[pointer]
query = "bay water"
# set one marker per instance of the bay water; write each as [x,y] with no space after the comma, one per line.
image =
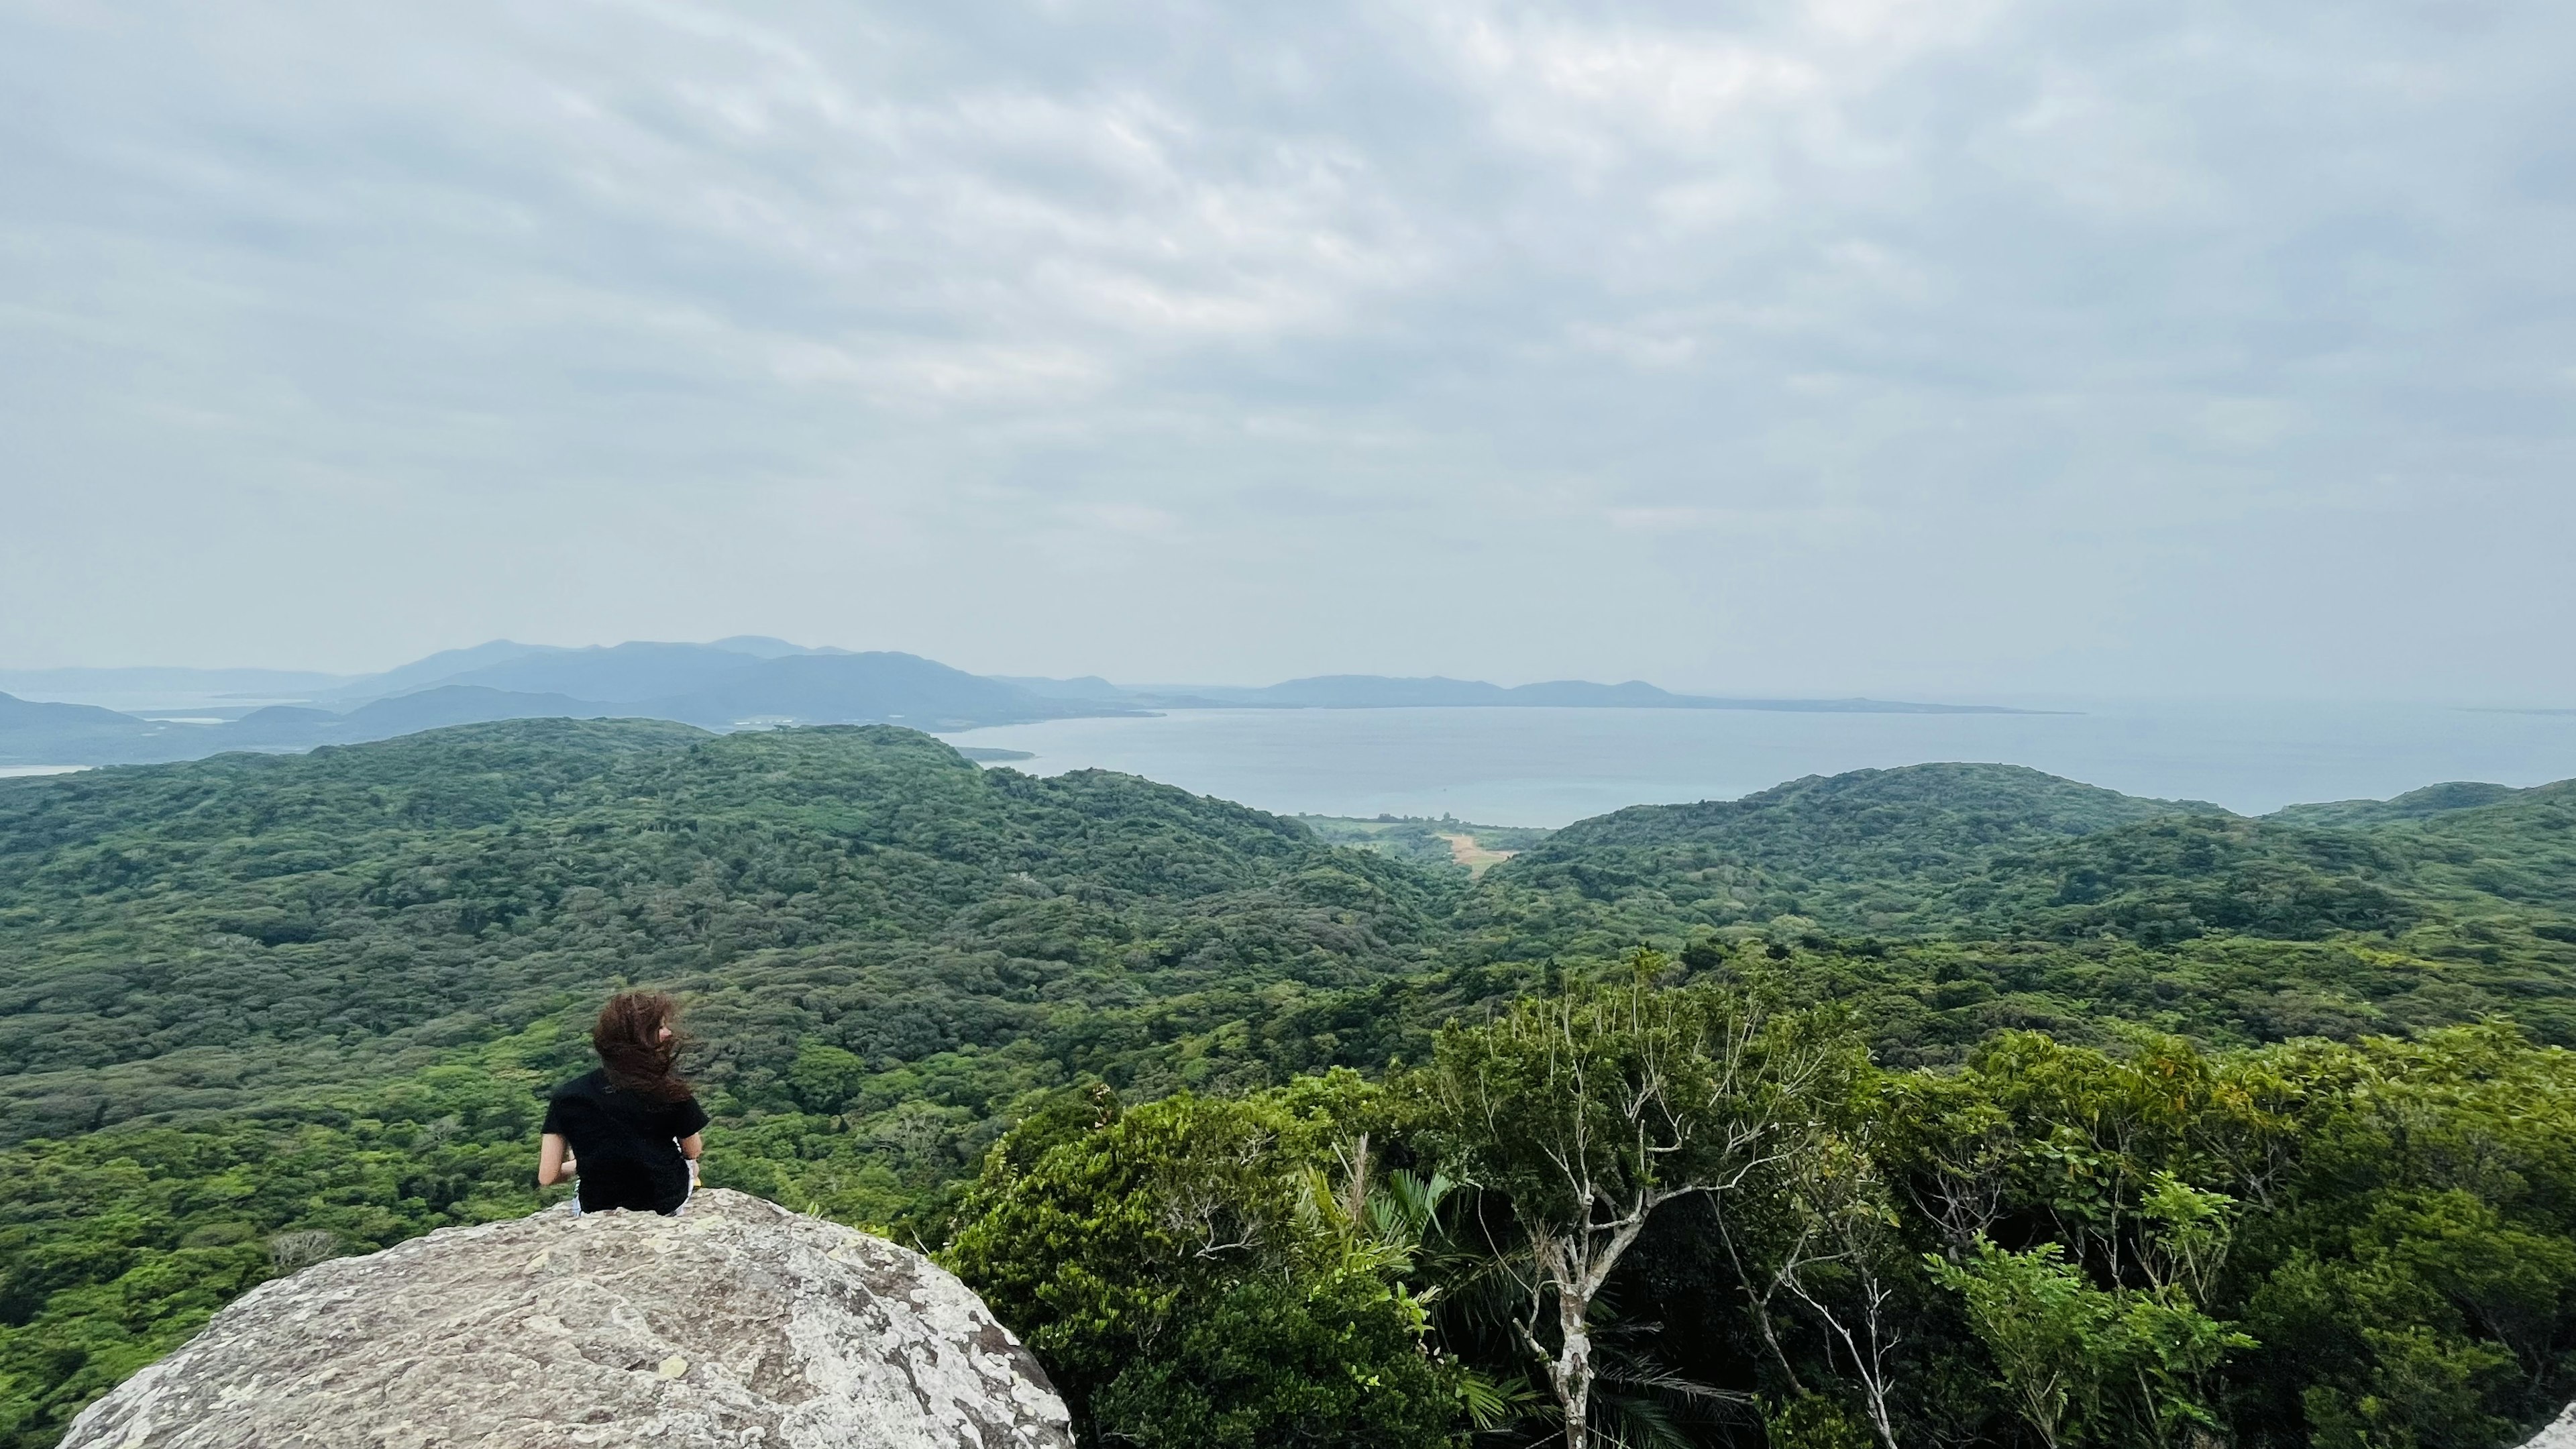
[1548,767]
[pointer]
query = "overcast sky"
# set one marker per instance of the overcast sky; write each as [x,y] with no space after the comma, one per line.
[1943,348]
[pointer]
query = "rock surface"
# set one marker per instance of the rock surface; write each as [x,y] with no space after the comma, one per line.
[736,1323]
[2559,1433]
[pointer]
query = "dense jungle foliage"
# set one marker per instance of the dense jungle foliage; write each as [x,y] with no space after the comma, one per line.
[2186,1110]
[2325,1243]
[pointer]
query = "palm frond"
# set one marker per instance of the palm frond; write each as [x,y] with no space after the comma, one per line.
[1495,1405]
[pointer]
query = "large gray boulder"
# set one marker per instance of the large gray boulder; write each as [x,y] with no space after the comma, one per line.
[2559,1433]
[735,1323]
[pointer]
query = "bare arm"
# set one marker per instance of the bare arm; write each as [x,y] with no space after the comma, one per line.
[554,1161]
[691,1146]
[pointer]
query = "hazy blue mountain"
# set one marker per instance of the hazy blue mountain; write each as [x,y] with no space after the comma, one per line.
[1089,686]
[862,689]
[20,713]
[1578,693]
[1092,689]
[454,704]
[1373,691]
[1854,705]
[628,672]
[280,726]
[34,732]
[623,673]
[2413,805]
[1369,691]
[761,646]
[122,739]
[445,664]
[745,678]
[696,683]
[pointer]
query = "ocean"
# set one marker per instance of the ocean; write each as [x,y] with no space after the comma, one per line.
[1548,767]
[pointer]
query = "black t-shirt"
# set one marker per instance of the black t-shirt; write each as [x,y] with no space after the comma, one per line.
[628,1147]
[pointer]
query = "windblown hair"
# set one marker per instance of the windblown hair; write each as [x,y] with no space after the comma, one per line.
[627,1038]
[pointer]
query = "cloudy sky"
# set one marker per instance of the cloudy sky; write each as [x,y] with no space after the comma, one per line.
[1934,347]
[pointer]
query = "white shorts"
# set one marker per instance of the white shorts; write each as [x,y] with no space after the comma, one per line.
[572,1205]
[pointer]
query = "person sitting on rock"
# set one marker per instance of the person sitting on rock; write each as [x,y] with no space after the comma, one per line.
[630,1129]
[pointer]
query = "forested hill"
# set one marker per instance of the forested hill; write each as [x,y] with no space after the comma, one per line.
[2413,805]
[212,936]
[206,936]
[1997,851]
[1869,850]
[260,1001]
[1951,901]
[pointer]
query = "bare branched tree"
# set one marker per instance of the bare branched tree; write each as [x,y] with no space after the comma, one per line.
[1587,1112]
[289,1252]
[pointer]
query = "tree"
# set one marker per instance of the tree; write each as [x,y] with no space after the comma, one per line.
[2083,1363]
[1842,1262]
[1188,1274]
[1587,1112]
[2046,1327]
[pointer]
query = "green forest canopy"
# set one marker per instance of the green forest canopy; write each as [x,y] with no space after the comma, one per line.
[259,1007]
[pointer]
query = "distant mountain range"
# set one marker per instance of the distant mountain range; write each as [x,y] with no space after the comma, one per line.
[1372,691]
[730,685]
[746,681]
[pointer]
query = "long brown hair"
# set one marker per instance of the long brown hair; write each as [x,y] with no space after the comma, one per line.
[628,1040]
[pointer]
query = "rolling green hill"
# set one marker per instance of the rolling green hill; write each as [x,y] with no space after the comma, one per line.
[1872,851]
[2413,805]
[207,938]
[196,938]
[1946,902]
[1996,851]
[325,993]
[328,990]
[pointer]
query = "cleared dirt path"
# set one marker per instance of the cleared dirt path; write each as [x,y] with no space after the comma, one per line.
[1478,860]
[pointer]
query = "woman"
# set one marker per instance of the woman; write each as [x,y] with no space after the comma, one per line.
[629,1129]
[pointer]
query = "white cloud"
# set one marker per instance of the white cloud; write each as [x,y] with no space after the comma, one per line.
[612,306]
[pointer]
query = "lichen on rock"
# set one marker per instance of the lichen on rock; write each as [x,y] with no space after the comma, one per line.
[737,1323]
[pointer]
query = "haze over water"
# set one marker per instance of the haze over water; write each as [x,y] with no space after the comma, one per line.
[1553,766]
